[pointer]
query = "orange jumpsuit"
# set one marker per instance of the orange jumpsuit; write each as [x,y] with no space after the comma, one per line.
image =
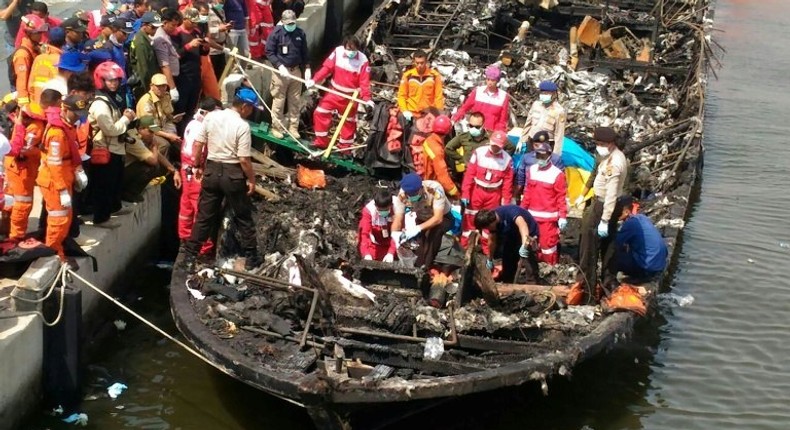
[21,167]
[44,68]
[57,174]
[23,62]
[436,165]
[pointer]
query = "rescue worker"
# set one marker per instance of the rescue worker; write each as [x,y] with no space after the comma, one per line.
[460,148]
[350,71]
[143,62]
[530,158]
[420,88]
[375,229]
[286,49]
[21,166]
[261,25]
[188,206]
[164,47]
[57,172]
[512,233]
[599,220]
[545,197]
[225,136]
[22,60]
[435,161]
[156,103]
[490,100]
[144,161]
[488,182]
[45,66]
[69,63]
[546,114]
[41,10]
[109,119]
[421,214]
[640,250]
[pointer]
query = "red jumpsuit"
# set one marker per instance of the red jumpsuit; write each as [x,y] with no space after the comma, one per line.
[21,167]
[190,188]
[55,175]
[545,194]
[494,107]
[374,233]
[488,184]
[348,74]
[261,25]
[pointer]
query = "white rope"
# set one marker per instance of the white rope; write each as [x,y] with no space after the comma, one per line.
[61,276]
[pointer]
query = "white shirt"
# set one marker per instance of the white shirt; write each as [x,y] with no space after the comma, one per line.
[227,135]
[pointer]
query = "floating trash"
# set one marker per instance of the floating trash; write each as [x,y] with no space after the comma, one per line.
[120,324]
[677,300]
[77,419]
[116,389]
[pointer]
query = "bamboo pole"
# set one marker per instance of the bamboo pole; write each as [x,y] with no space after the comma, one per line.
[339,126]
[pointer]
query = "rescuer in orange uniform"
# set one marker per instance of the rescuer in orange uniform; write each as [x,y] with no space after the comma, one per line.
[420,88]
[56,175]
[23,57]
[435,162]
[45,66]
[21,167]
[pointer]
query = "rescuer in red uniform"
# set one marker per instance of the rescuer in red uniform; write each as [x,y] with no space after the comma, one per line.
[375,229]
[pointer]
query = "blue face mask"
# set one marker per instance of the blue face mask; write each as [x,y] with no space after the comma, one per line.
[384,214]
[475,131]
[415,199]
[543,163]
[289,27]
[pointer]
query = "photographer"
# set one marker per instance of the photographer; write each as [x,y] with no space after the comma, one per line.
[109,119]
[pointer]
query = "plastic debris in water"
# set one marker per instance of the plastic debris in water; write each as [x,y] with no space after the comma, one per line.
[674,299]
[116,389]
[120,324]
[784,245]
[77,419]
[434,348]
[750,261]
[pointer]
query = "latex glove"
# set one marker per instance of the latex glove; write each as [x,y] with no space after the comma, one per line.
[389,258]
[464,202]
[523,252]
[407,115]
[578,202]
[412,233]
[370,104]
[603,228]
[81,179]
[562,223]
[308,75]
[283,71]
[65,199]
[519,145]
[490,264]
[368,257]
[396,237]
[309,83]
[174,95]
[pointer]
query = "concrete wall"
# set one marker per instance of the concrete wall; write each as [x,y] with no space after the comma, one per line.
[21,339]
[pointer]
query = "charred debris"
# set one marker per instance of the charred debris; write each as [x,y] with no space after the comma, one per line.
[314,309]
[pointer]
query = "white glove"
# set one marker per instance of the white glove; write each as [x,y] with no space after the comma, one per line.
[396,237]
[81,180]
[370,104]
[308,75]
[368,257]
[8,201]
[412,233]
[284,71]
[579,200]
[174,95]
[65,199]
[562,223]
[407,115]
[603,228]
[389,258]
[309,83]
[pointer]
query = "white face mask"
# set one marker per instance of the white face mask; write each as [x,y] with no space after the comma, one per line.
[545,98]
[603,151]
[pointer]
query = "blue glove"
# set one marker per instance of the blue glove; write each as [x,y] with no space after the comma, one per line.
[523,251]
[490,264]
[465,202]
[603,228]
[411,233]
[562,223]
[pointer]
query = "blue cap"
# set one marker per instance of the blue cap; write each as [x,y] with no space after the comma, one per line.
[247,95]
[548,86]
[411,183]
[72,61]
[57,36]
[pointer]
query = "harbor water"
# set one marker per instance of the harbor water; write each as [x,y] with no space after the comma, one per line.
[715,357]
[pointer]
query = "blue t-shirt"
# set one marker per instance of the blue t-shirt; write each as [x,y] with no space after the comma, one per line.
[236,11]
[507,220]
[645,243]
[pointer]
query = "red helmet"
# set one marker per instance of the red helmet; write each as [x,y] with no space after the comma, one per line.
[33,24]
[442,124]
[498,138]
[104,71]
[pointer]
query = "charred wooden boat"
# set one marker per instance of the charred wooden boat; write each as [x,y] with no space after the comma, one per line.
[304,333]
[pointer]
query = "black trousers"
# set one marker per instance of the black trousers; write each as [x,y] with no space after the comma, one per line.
[136,177]
[510,258]
[591,246]
[431,242]
[189,86]
[106,180]
[223,181]
[218,62]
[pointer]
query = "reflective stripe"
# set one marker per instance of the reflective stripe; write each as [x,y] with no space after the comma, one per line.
[347,140]
[542,214]
[54,161]
[322,110]
[470,212]
[551,250]
[491,185]
[497,99]
[62,212]
[342,88]
[322,133]
[23,199]
[184,217]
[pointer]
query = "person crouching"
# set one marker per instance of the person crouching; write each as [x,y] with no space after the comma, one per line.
[375,229]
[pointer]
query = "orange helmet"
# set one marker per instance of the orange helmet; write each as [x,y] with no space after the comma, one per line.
[442,124]
[33,24]
[104,71]
[498,138]
[34,111]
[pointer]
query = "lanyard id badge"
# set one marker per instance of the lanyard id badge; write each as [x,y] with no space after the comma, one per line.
[285,49]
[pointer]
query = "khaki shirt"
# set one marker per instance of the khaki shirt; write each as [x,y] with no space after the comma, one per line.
[433,194]
[136,151]
[609,179]
[549,118]
[227,135]
[161,108]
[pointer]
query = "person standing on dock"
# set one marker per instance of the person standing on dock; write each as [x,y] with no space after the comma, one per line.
[227,174]
[350,72]
[420,88]
[600,221]
[546,114]
[512,233]
[286,48]
[489,100]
